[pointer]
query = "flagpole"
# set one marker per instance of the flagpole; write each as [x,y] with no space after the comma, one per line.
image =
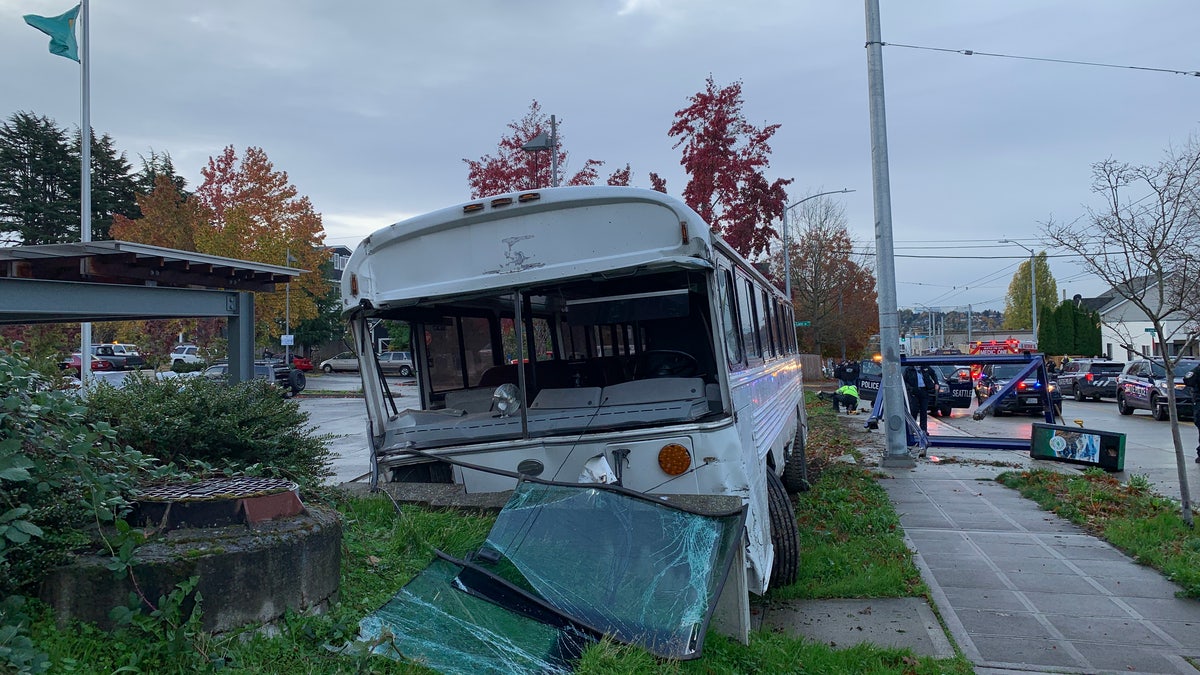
[85,182]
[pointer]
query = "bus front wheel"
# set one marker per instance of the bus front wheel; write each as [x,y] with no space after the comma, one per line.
[785,538]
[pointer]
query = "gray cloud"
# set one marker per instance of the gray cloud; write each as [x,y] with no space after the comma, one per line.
[370,107]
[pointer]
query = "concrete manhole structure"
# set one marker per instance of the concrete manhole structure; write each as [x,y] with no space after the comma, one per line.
[257,550]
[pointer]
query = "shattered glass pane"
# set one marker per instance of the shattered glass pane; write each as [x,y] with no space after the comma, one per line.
[431,621]
[625,565]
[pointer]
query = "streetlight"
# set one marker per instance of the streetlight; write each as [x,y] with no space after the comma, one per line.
[1032,284]
[787,259]
[544,142]
[932,326]
[287,312]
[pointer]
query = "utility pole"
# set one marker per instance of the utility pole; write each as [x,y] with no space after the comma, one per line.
[891,387]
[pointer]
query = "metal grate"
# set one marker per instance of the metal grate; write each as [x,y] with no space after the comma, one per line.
[216,489]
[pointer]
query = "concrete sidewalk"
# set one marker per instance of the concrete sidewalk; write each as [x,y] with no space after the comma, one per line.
[1021,589]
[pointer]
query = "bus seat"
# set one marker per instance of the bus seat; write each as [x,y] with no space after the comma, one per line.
[470,400]
[498,375]
[572,397]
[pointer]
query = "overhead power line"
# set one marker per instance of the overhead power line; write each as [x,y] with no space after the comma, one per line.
[972,52]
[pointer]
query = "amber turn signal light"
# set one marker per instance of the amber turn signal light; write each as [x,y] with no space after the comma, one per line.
[674,459]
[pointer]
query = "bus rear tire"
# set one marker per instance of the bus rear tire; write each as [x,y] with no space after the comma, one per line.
[785,537]
[795,467]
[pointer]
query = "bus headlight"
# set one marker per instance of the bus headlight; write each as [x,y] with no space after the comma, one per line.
[674,459]
[506,400]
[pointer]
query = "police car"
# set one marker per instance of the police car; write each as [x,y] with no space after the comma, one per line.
[870,374]
[955,388]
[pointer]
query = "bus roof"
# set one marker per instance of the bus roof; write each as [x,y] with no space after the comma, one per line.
[523,239]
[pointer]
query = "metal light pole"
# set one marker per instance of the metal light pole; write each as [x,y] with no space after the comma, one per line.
[287,311]
[787,265]
[544,142]
[1032,284]
[932,326]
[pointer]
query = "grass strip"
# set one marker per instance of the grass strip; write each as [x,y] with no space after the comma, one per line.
[1146,526]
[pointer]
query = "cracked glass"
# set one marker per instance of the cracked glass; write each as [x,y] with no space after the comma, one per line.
[563,565]
[433,622]
[630,566]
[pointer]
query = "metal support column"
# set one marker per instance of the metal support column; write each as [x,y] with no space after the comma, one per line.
[241,338]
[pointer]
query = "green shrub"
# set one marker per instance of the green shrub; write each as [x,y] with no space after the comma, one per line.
[247,427]
[59,474]
[181,367]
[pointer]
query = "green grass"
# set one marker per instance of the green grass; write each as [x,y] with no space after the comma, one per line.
[851,542]
[1130,516]
[851,547]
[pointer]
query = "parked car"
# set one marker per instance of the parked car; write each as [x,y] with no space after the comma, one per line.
[400,363]
[1089,378]
[121,358]
[302,363]
[118,378]
[186,354]
[1026,398]
[955,387]
[1142,385]
[870,374]
[291,381]
[343,361]
[73,363]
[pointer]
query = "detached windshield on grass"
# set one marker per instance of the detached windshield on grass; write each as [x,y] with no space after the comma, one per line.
[562,565]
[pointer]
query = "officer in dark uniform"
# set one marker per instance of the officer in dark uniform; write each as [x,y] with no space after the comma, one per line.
[921,384]
[847,373]
[1192,381]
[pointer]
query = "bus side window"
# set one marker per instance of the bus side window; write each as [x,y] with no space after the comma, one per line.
[729,320]
[765,329]
[780,328]
[749,316]
[789,318]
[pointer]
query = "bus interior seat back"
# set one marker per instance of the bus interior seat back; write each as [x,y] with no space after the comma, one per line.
[571,397]
[471,400]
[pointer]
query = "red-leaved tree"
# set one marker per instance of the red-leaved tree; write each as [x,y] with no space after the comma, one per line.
[512,168]
[724,156]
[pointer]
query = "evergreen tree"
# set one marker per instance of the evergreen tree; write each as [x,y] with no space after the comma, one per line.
[1088,336]
[39,182]
[113,186]
[1066,316]
[1048,337]
[158,164]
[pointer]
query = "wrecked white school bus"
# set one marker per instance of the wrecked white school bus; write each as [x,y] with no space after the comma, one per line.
[586,334]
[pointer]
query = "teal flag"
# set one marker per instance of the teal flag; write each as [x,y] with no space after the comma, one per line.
[61,30]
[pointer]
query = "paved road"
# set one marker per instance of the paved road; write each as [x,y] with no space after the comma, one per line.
[1149,448]
[345,419]
[1148,445]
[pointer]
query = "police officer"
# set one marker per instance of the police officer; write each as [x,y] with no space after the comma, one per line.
[846,395]
[921,384]
[1192,381]
[847,372]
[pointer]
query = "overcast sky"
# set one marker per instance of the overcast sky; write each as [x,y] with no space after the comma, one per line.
[372,106]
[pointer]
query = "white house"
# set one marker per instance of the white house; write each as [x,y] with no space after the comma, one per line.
[1126,331]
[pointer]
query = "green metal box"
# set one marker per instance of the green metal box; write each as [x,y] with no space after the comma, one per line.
[1076,445]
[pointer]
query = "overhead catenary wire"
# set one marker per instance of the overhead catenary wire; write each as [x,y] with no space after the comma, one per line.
[1074,62]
